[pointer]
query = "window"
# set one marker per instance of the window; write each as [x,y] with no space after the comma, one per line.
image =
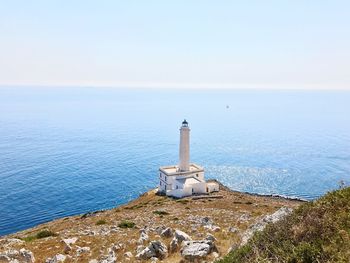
[160,183]
[177,187]
[197,175]
[166,178]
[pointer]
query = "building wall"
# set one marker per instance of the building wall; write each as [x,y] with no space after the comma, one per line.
[212,187]
[199,188]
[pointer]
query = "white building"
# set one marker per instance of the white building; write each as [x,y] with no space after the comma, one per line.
[186,178]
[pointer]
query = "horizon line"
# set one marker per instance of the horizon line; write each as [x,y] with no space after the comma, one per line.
[196,86]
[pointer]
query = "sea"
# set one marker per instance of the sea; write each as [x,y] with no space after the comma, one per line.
[70,150]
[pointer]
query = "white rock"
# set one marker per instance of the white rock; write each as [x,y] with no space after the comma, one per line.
[262,223]
[128,254]
[210,237]
[179,237]
[232,229]
[167,232]
[155,249]
[27,255]
[194,250]
[82,250]
[56,259]
[13,256]
[143,237]
[70,241]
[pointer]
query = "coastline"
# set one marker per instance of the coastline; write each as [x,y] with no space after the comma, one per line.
[227,218]
[222,187]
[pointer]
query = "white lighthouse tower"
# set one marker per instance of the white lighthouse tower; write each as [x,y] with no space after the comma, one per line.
[186,178]
[184,153]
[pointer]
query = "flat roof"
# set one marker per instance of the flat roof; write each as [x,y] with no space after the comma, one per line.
[174,169]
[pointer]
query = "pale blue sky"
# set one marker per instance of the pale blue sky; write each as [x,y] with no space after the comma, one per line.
[186,43]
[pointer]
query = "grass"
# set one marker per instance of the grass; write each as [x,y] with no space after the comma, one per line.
[126,224]
[101,222]
[182,201]
[318,231]
[160,212]
[39,235]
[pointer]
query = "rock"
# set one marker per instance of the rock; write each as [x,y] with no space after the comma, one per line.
[56,259]
[232,248]
[139,249]
[4,258]
[210,237]
[145,254]
[143,237]
[14,256]
[232,229]
[244,218]
[82,250]
[213,228]
[177,240]
[167,232]
[154,259]
[155,249]
[110,258]
[8,242]
[128,254]
[262,223]
[194,250]
[70,241]
[67,248]
[117,247]
[206,221]
[181,236]
[93,261]
[174,244]
[215,255]
[27,255]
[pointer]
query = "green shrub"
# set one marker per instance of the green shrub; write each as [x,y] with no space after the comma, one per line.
[160,212]
[126,224]
[45,233]
[317,231]
[101,222]
[39,235]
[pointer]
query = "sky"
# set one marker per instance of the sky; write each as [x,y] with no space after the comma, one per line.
[176,43]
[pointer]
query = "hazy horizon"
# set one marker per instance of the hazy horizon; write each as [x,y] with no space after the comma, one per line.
[195,44]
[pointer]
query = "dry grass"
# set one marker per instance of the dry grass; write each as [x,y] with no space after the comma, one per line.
[151,210]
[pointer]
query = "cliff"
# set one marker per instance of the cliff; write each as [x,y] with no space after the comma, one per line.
[150,228]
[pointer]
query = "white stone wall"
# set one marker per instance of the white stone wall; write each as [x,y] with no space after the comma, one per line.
[212,187]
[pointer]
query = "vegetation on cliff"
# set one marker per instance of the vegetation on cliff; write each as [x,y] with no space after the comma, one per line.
[318,231]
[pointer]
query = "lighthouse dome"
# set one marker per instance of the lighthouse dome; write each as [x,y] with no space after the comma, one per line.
[184,123]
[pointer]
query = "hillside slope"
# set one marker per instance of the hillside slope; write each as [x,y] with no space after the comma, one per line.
[318,231]
[148,228]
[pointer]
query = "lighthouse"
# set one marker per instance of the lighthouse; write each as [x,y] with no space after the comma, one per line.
[185,178]
[184,152]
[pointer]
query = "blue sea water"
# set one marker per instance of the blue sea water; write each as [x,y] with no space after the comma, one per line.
[65,151]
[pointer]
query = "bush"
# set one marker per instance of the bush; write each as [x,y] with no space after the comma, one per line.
[39,235]
[126,224]
[317,231]
[101,222]
[45,233]
[160,212]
